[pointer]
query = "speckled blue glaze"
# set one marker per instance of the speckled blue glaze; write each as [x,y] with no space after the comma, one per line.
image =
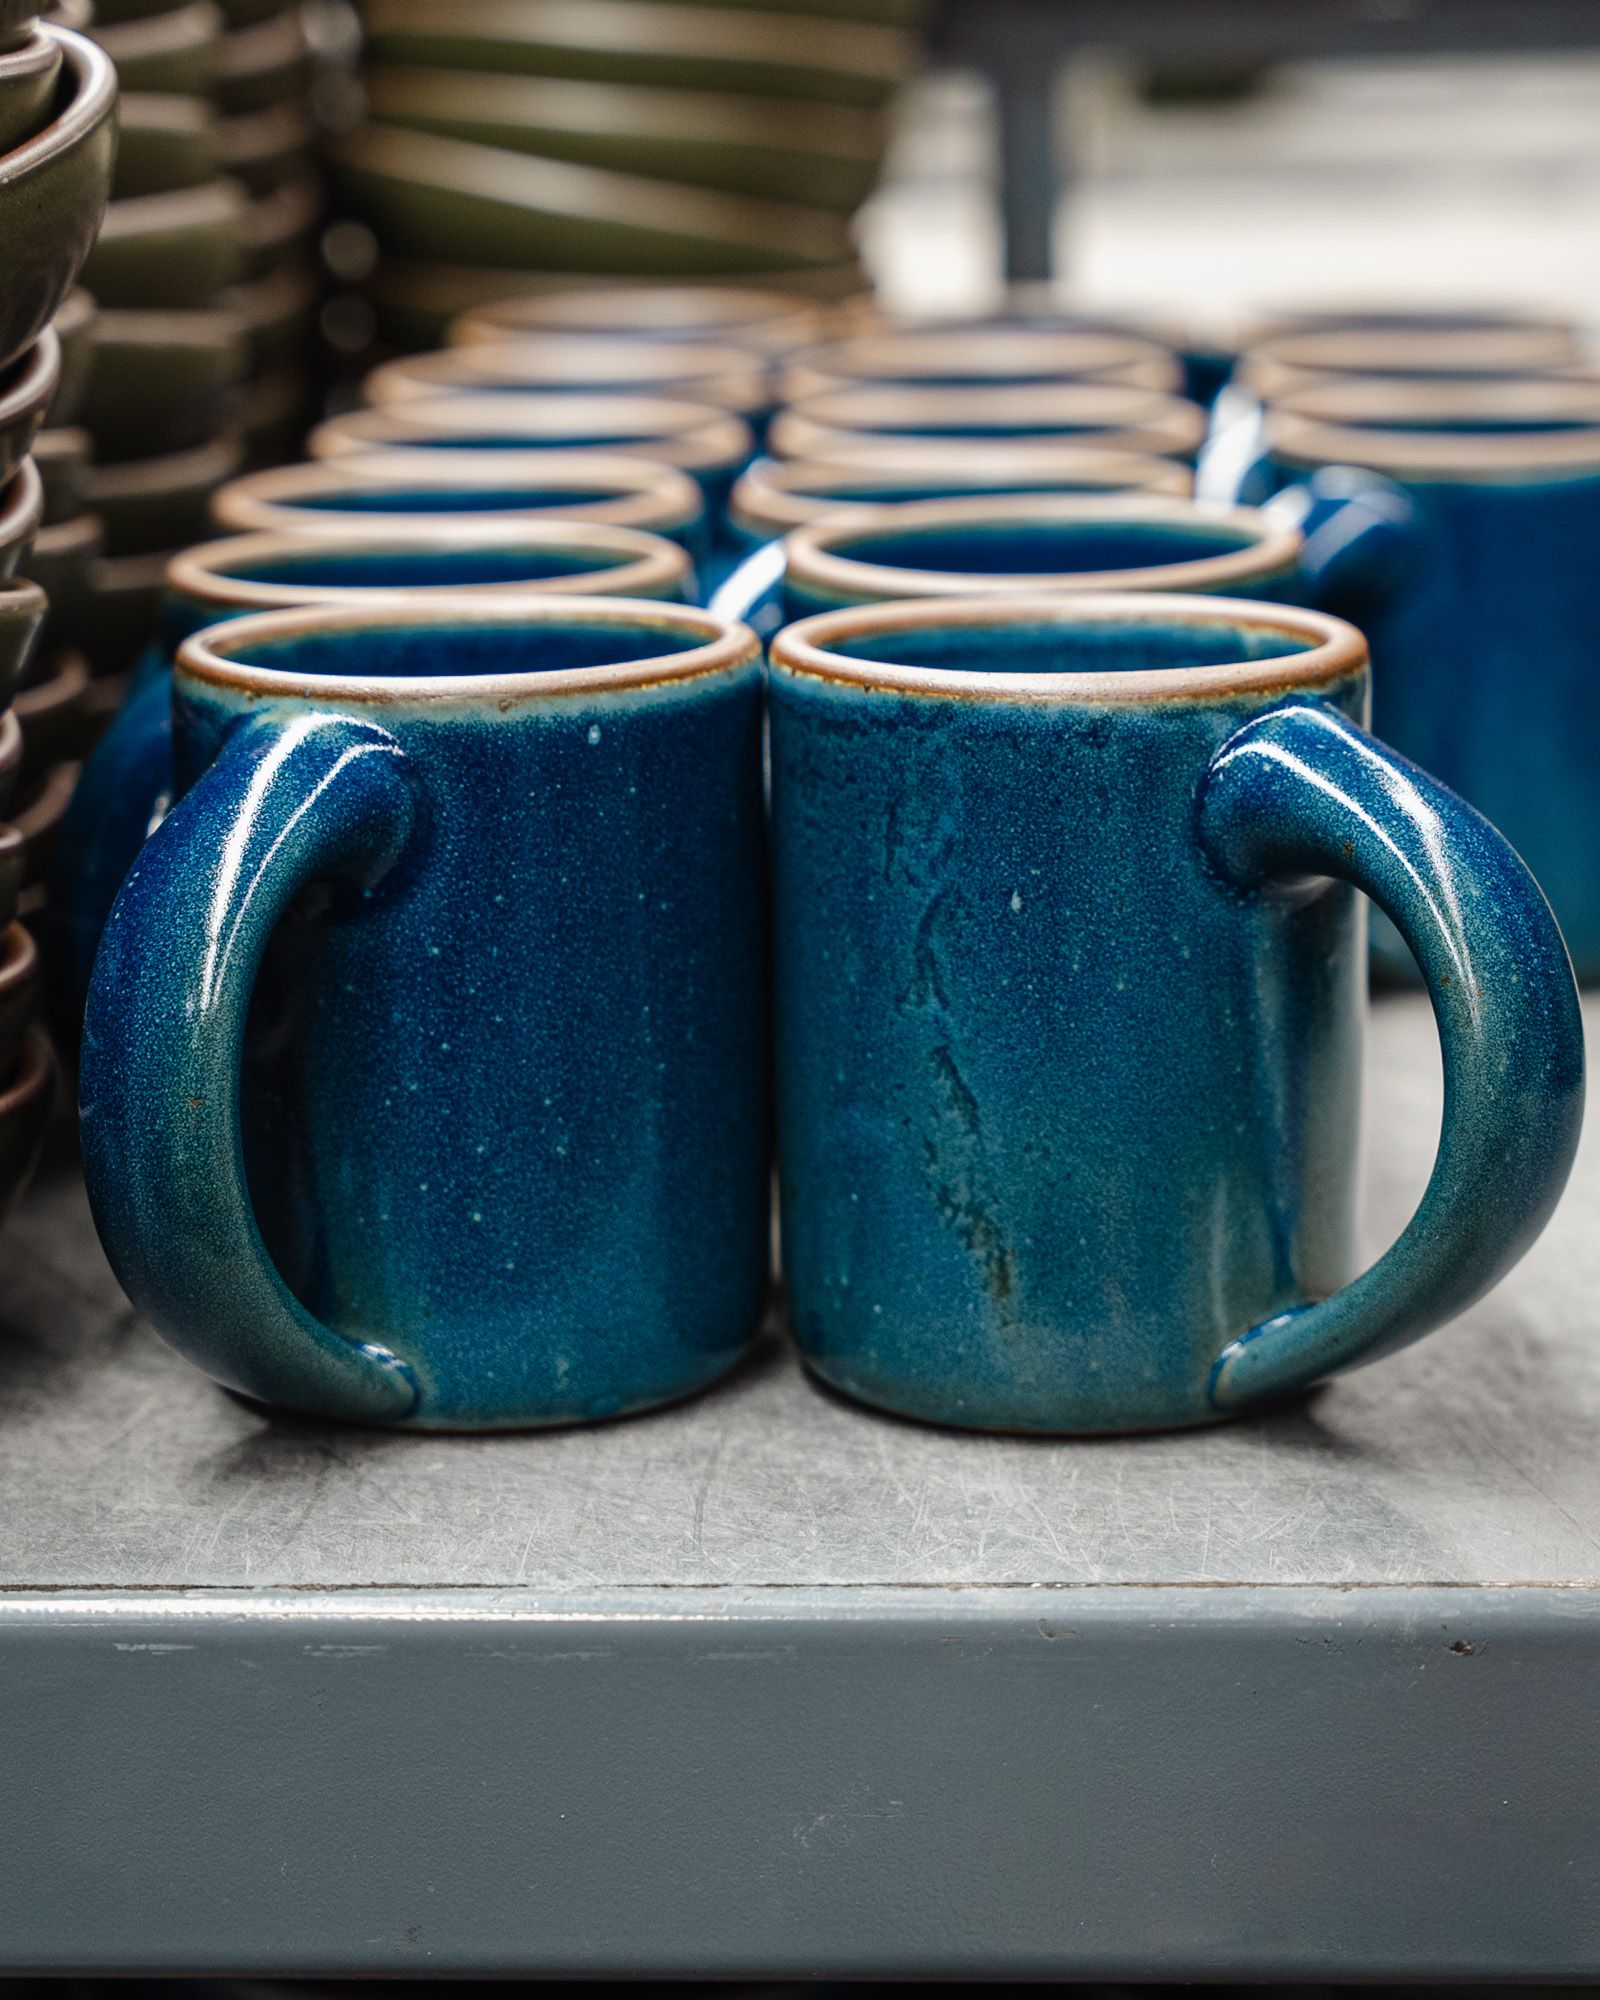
[1070,1010]
[424,1078]
[1486,667]
[127,780]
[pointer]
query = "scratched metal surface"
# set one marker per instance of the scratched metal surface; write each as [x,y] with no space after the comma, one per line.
[1471,1459]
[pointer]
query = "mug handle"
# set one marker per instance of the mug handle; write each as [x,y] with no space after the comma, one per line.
[752,592]
[1359,528]
[1302,793]
[285,802]
[125,790]
[1359,536]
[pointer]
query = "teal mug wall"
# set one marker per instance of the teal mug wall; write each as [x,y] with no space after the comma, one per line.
[1070,974]
[127,781]
[425,1071]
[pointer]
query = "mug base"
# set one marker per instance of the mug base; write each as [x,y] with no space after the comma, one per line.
[426,1425]
[922,1412]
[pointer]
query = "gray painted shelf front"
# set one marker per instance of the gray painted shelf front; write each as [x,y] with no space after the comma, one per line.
[769,1685]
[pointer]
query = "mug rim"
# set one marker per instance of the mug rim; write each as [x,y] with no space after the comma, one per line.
[690,433]
[633,492]
[984,355]
[1119,405]
[737,378]
[767,309]
[1310,426]
[650,561]
[768,492]
[960,342]
[206,656]
[1152,420]
[1272,546]
[1336,652]
[1470,352]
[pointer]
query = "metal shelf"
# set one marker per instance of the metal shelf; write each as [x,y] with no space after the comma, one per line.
[769,1685]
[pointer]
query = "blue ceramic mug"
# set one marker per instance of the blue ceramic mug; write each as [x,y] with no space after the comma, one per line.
[774,495]
[424,1077]
[1070,985]
[1485,628]
[331,498]
[713,446]
[995,545]
[126,784]
[1110,416]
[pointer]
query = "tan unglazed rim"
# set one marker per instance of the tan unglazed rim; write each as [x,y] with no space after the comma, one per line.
[647,564]
[94,92]
[1335,422]
[981,355]
[630,493]
[782,493]
[1336,650]
[1096,406]
[727,315]
[816,554]
[1100,415]
[727,377]
[210,658]
[693,436]
[1484,350]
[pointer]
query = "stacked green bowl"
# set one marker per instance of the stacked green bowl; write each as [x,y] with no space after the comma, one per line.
[205,274]
[57,132]
[509,142]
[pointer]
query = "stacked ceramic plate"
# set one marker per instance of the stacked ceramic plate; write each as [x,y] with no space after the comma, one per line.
[57,102]
[514,139]
[205,277]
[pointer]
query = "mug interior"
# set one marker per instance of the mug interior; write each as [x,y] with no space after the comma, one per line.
[1081,646]
[486,499]
[1475,423]
[314,568]
[459,650]
[1042,548]
[579,438]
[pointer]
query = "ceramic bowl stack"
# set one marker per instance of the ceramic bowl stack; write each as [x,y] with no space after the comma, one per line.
[205,276]
[57,104]
[509,142]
